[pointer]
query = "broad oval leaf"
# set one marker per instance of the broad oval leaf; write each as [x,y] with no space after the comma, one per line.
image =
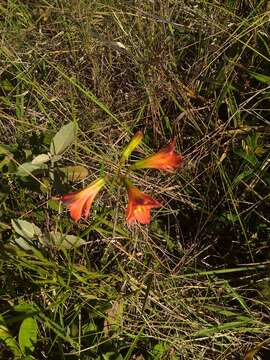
[41,159]
[74,173]
[63,139]
[27,168]
[28,335]
[63,240]
[22,243]
[26,229]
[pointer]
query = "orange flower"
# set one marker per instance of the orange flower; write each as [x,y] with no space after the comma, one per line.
[164,159]
[139,205]
[79,202]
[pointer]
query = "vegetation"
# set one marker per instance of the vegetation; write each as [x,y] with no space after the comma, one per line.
[194,284]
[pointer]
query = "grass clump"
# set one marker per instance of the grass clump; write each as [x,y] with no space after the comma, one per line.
[194,284]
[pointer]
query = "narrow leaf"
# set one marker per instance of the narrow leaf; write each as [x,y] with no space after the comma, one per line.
[260,77]
[248,157]
[24,307]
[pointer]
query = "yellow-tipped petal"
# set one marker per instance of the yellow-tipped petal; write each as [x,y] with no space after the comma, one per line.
[165,159]
[135,141]
[79,202]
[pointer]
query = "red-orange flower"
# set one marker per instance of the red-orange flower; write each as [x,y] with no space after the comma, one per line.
[164,159]
[139,206]
[80,202]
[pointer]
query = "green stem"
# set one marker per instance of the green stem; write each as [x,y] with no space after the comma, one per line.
[127,183]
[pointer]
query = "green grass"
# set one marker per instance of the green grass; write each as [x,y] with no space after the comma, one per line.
[194,284]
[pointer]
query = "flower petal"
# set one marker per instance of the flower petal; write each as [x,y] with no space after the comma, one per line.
[76,209]
[139,205]
[79,202]
[70,197]
[164,159]
[142,214]
[87,207]
[129,212]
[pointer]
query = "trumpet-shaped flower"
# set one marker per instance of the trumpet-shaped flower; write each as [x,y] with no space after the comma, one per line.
[165,159]
[139,206]
[80,202]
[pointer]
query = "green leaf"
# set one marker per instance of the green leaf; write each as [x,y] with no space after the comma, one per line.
[244,174]
[26,229]
[110,355]
[5,161]
[8,340]
[7,85]
[63,139]
[74,173]
[4,149]
[159,350]
[41,159]
[25,307]
[22,243]
[54,205]
[260,77]
[27,168]
[63,240]
[113,319]
[28,335]
[89,327]
[248,157]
